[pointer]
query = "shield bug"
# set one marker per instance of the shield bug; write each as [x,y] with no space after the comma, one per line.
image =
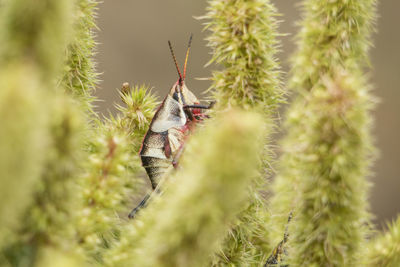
[173,121]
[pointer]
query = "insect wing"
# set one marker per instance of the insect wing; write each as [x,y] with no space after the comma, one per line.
[189,97]
[170,115]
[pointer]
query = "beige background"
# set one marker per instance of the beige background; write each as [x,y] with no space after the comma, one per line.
[133,47]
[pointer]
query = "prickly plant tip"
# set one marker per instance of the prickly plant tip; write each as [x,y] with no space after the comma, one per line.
[384,249]
[243,40]
[341,30]
[138,108]
[174,230]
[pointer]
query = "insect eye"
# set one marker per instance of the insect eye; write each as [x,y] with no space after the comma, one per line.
[176,96]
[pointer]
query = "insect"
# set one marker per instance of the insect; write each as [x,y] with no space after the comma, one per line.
[277,257]
[173,121]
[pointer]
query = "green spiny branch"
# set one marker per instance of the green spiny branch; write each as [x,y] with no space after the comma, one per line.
[327,150]
[137,112]
[243,39]
[79,77]
[21,137]
[34,34]
[111,172]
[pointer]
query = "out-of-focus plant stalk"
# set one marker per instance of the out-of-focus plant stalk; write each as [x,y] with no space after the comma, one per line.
[23,142]
[32,34]
[243,40]
[327,150]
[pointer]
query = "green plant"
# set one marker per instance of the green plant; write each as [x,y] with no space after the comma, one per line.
[327,150]
[37,147]
[243,40]
[110,173]
[67,176]
[384,249]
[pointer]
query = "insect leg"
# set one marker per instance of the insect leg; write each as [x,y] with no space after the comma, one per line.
[178,155]
[142,204]
[200,106]
[191,115]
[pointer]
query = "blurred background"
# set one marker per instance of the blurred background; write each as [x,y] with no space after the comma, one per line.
[133,48]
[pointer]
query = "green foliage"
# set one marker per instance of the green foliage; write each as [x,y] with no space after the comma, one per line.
[49,219]
[384,249]
[68,179]
[185,224]
[49,257]
[327,150]
[243,39]
[137,112]
[34,32]
[79,77]
[333,34]
[110,178]
[107,184]
[32,37]
[246,243]
[334,159]
[23,143]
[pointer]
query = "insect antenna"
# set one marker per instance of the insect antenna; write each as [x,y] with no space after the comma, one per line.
[187,56]
[176,63]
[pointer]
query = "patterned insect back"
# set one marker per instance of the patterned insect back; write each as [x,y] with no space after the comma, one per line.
[168,130]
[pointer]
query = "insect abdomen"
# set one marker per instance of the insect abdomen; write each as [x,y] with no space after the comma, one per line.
[155,168]
[155,155]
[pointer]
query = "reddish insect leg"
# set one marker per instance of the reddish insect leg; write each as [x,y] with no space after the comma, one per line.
[194,111]
[178,155]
